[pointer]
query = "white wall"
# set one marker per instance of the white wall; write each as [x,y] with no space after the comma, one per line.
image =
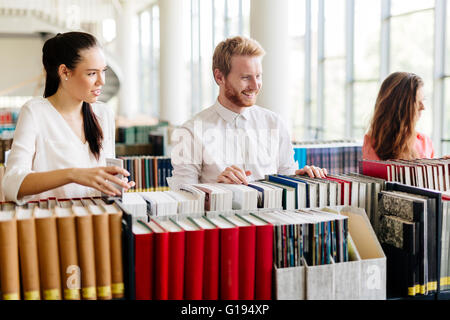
[20,62]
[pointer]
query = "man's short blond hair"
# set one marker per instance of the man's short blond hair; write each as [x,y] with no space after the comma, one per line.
[240,46]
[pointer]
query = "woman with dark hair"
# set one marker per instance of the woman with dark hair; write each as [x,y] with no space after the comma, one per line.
[392,133]
[62,140]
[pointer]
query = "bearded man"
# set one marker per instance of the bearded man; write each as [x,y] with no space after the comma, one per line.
[234,141]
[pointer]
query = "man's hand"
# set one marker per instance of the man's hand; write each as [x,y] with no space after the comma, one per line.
[312,171]
[234,175]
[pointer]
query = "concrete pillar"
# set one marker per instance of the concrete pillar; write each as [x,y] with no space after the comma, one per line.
[127,50]
[172,73]
[269,26]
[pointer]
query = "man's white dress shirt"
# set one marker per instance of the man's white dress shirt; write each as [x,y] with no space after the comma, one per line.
[44,141]
[216,138]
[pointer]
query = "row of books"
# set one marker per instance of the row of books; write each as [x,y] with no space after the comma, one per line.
[362,276]
[336,156]
[314,236]
[212,258]
[9,116]
[276,192]
[413,231]
[423,173]
[148,172]
[142,134]
[67,249]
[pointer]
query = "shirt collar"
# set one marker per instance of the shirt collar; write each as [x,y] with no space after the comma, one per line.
[228,115]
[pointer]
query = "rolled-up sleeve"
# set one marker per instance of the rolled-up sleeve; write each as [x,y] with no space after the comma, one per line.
[20,159]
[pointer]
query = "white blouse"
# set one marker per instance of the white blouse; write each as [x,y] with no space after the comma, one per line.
[44,141]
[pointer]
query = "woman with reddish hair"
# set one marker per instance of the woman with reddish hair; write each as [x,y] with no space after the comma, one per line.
[392,133]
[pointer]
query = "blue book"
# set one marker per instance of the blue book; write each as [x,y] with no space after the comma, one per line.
[306,202]
[261,191]
[290,183]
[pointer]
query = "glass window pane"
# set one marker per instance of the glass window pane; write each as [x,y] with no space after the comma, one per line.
[334,28]
[402,6]
[446,131]
[297,62]
[367,39]
[365,95]
[334,111]
[412,51]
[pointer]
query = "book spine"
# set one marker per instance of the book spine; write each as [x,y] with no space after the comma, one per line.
[47,236]
[193,276]
[115,239]
[143,246]
[67,240]
[264,262]
[29,262]
[176,265]
[229,267]
[102,253]
[9,260]
[85,243]
[211,265]
[247,238]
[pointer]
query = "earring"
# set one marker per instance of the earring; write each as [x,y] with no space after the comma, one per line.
[67,78]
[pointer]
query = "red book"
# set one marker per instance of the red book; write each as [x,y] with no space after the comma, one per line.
[247,237]
[377,169]
[176,258]
[210,259]
[161,261]
[346,193]
[143,261]
[229,259]
[193,270]
[263,257]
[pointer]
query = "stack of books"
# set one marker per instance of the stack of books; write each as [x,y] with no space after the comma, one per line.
[205,258]
[312,237]
[431,174]
[144,134]
[67,249]
[148,172]
[336,156]
[413,231]
[360,275]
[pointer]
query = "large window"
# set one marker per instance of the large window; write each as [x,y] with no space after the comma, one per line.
[340,51]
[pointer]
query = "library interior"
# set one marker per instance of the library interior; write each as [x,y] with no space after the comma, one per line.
[224,150]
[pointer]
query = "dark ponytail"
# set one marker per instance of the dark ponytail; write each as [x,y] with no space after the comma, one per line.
[65,49]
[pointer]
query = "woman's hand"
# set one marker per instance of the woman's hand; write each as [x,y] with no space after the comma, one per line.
[312,171]
[101,178]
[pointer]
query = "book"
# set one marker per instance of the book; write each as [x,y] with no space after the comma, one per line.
[144,264]
[29,261]
[263,257]
[161,261]
[49,266]
[229,259]
[247,250]
[9,257]
[210,260]
[176,258]
[102,251]
[115,240]
[397,237]
[67,244]
[86,252]
[194,257]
